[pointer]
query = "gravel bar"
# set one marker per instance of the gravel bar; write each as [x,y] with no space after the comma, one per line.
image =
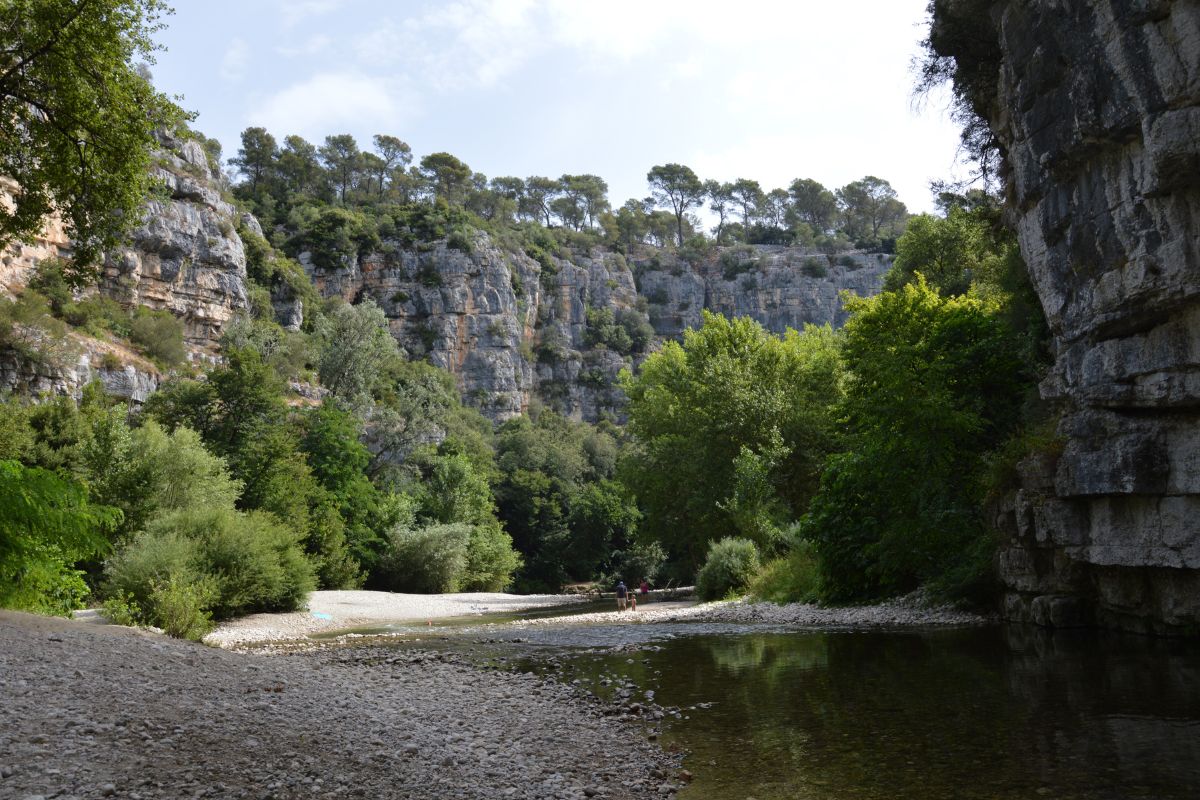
[910,610]
[336,610]
[102,711]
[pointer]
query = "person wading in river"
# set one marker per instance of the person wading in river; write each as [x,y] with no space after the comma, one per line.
[622,593]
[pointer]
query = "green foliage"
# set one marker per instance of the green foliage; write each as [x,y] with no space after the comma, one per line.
[28,329]
[181,608]
[79,120]
[737,260]
[46,525]
[426,560]
[491,560]
[793,578]
[815,267]
[934,383]
[732,428]
[730,566]
[354,347]
[252,562]
[160,335]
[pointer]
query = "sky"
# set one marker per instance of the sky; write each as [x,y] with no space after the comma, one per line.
[766,90]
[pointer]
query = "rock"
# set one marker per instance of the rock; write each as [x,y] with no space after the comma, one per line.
[1101,166]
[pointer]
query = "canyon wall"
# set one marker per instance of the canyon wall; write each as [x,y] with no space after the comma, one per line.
[514,330]
[184,257]
[1096,108]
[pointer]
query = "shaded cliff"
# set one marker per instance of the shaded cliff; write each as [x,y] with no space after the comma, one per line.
[1096,109]
[514,329]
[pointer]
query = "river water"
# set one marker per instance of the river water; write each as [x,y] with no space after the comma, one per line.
[980,712]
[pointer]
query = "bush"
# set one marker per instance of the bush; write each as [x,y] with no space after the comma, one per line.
[160,335]
[251,561]
[180,607]
[730,567]
[814,268]
[795,578]
[426,560]
[491,560]
[151,558]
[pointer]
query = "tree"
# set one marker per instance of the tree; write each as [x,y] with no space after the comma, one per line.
[933,384]
[749,197]
[446,176]
[393,154]
[677,186]
[46,525]
[341,157]
[631,224]
[78,120]
[720,202]
[813,204]
[355,347]
[257,156]
[588,195]
[871,209]
[298,165]
[713,415]
[948,252]
[539,194]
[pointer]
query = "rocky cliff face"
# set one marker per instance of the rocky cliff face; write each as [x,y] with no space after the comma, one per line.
[1097,108]
[186,256]
[515,330]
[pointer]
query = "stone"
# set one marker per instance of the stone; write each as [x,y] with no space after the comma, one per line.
[1101,162]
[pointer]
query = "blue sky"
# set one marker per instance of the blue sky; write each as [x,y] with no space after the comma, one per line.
[766,90]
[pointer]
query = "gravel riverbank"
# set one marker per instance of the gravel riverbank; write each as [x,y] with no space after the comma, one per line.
[337,610]
[905,611]
[102,711]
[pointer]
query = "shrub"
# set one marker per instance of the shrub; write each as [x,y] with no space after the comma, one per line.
[460,239]
[151,558]
[180,607]
[491,560]
[429,277]
[98,314]
[426,560]
[730,566]
[795,578]
[251,561]
[814,268]
[160,335]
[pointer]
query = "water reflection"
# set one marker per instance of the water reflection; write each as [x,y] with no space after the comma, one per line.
[970,713]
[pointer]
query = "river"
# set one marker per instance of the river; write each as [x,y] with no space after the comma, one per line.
[994,712]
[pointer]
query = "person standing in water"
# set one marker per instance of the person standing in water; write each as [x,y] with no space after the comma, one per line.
[622,594]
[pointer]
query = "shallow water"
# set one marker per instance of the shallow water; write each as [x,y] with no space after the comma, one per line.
[990,712]
[996,712]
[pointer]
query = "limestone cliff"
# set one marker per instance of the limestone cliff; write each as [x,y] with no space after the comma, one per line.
[185,256]
[515,330]
[1096,107]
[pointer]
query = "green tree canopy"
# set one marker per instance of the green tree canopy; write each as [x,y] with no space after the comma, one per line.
[677,186]
[933,384]
[78,119]
[715,417]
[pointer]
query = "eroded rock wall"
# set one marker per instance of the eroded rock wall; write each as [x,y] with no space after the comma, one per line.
[1096,106]
[515,331]
[186,256]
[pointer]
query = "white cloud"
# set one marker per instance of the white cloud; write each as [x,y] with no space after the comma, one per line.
[313,45]
[333,102]
[236,59]
[456,45]
[296,11]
